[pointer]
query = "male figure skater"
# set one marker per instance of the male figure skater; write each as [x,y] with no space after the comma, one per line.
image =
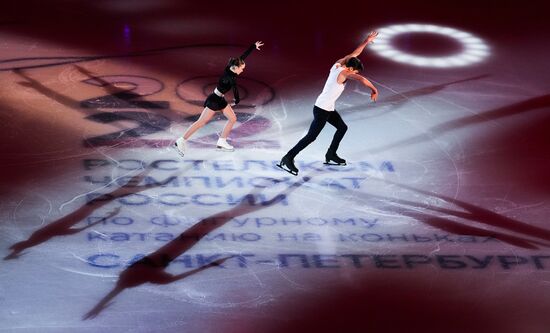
[324,111]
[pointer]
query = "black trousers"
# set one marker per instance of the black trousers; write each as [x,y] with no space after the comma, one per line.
[320,118]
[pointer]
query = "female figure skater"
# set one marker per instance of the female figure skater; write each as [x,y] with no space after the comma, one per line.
[345,68]
[216,102]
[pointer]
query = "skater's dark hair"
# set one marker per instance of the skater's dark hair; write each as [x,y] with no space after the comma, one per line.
[354,63]
[235,62]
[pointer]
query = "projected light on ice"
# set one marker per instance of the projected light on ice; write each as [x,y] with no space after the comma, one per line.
[473,48]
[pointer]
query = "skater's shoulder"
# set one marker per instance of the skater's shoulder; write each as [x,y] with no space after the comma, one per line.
[336,67]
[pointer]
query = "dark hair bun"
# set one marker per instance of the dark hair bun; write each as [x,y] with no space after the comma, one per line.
[235,62]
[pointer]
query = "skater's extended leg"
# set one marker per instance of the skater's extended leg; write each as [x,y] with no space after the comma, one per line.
[205,117]
[319,120]
[231,120]
[336,120]
[181,143]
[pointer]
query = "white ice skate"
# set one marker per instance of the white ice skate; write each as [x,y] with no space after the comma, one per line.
[181,146]
[223,145]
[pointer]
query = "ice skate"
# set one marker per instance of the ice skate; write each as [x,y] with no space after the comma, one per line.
[223,145]
[180,146]
[287,164]
[332,159]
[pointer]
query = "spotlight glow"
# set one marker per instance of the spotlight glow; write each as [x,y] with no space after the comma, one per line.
[474,49]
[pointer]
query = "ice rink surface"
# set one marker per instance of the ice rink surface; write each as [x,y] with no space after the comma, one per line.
[438,222]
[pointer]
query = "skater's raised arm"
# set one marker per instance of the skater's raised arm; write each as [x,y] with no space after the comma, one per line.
[251,48]
[238,67]
[364,81]
[370,38]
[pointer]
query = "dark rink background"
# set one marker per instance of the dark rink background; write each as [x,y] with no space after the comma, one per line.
[438,223]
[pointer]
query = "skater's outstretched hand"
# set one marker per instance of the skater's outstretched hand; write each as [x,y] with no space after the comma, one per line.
[359,49]
[371,37]
[258,44]
[374,95]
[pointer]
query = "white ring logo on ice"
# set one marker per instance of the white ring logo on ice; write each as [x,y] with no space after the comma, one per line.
[474,49]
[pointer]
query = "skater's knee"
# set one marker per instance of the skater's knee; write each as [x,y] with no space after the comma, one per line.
[343,128]
[232,119]
[310,138]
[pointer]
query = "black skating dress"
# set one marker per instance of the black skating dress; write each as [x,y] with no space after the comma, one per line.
[226,82]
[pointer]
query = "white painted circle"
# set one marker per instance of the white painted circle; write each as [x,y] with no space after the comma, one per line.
[474,49]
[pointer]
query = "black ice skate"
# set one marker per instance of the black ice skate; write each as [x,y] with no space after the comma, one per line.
[332,159]
[287,164]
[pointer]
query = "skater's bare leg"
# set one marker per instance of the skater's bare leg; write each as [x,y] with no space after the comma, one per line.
[231,120]
[205,117]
